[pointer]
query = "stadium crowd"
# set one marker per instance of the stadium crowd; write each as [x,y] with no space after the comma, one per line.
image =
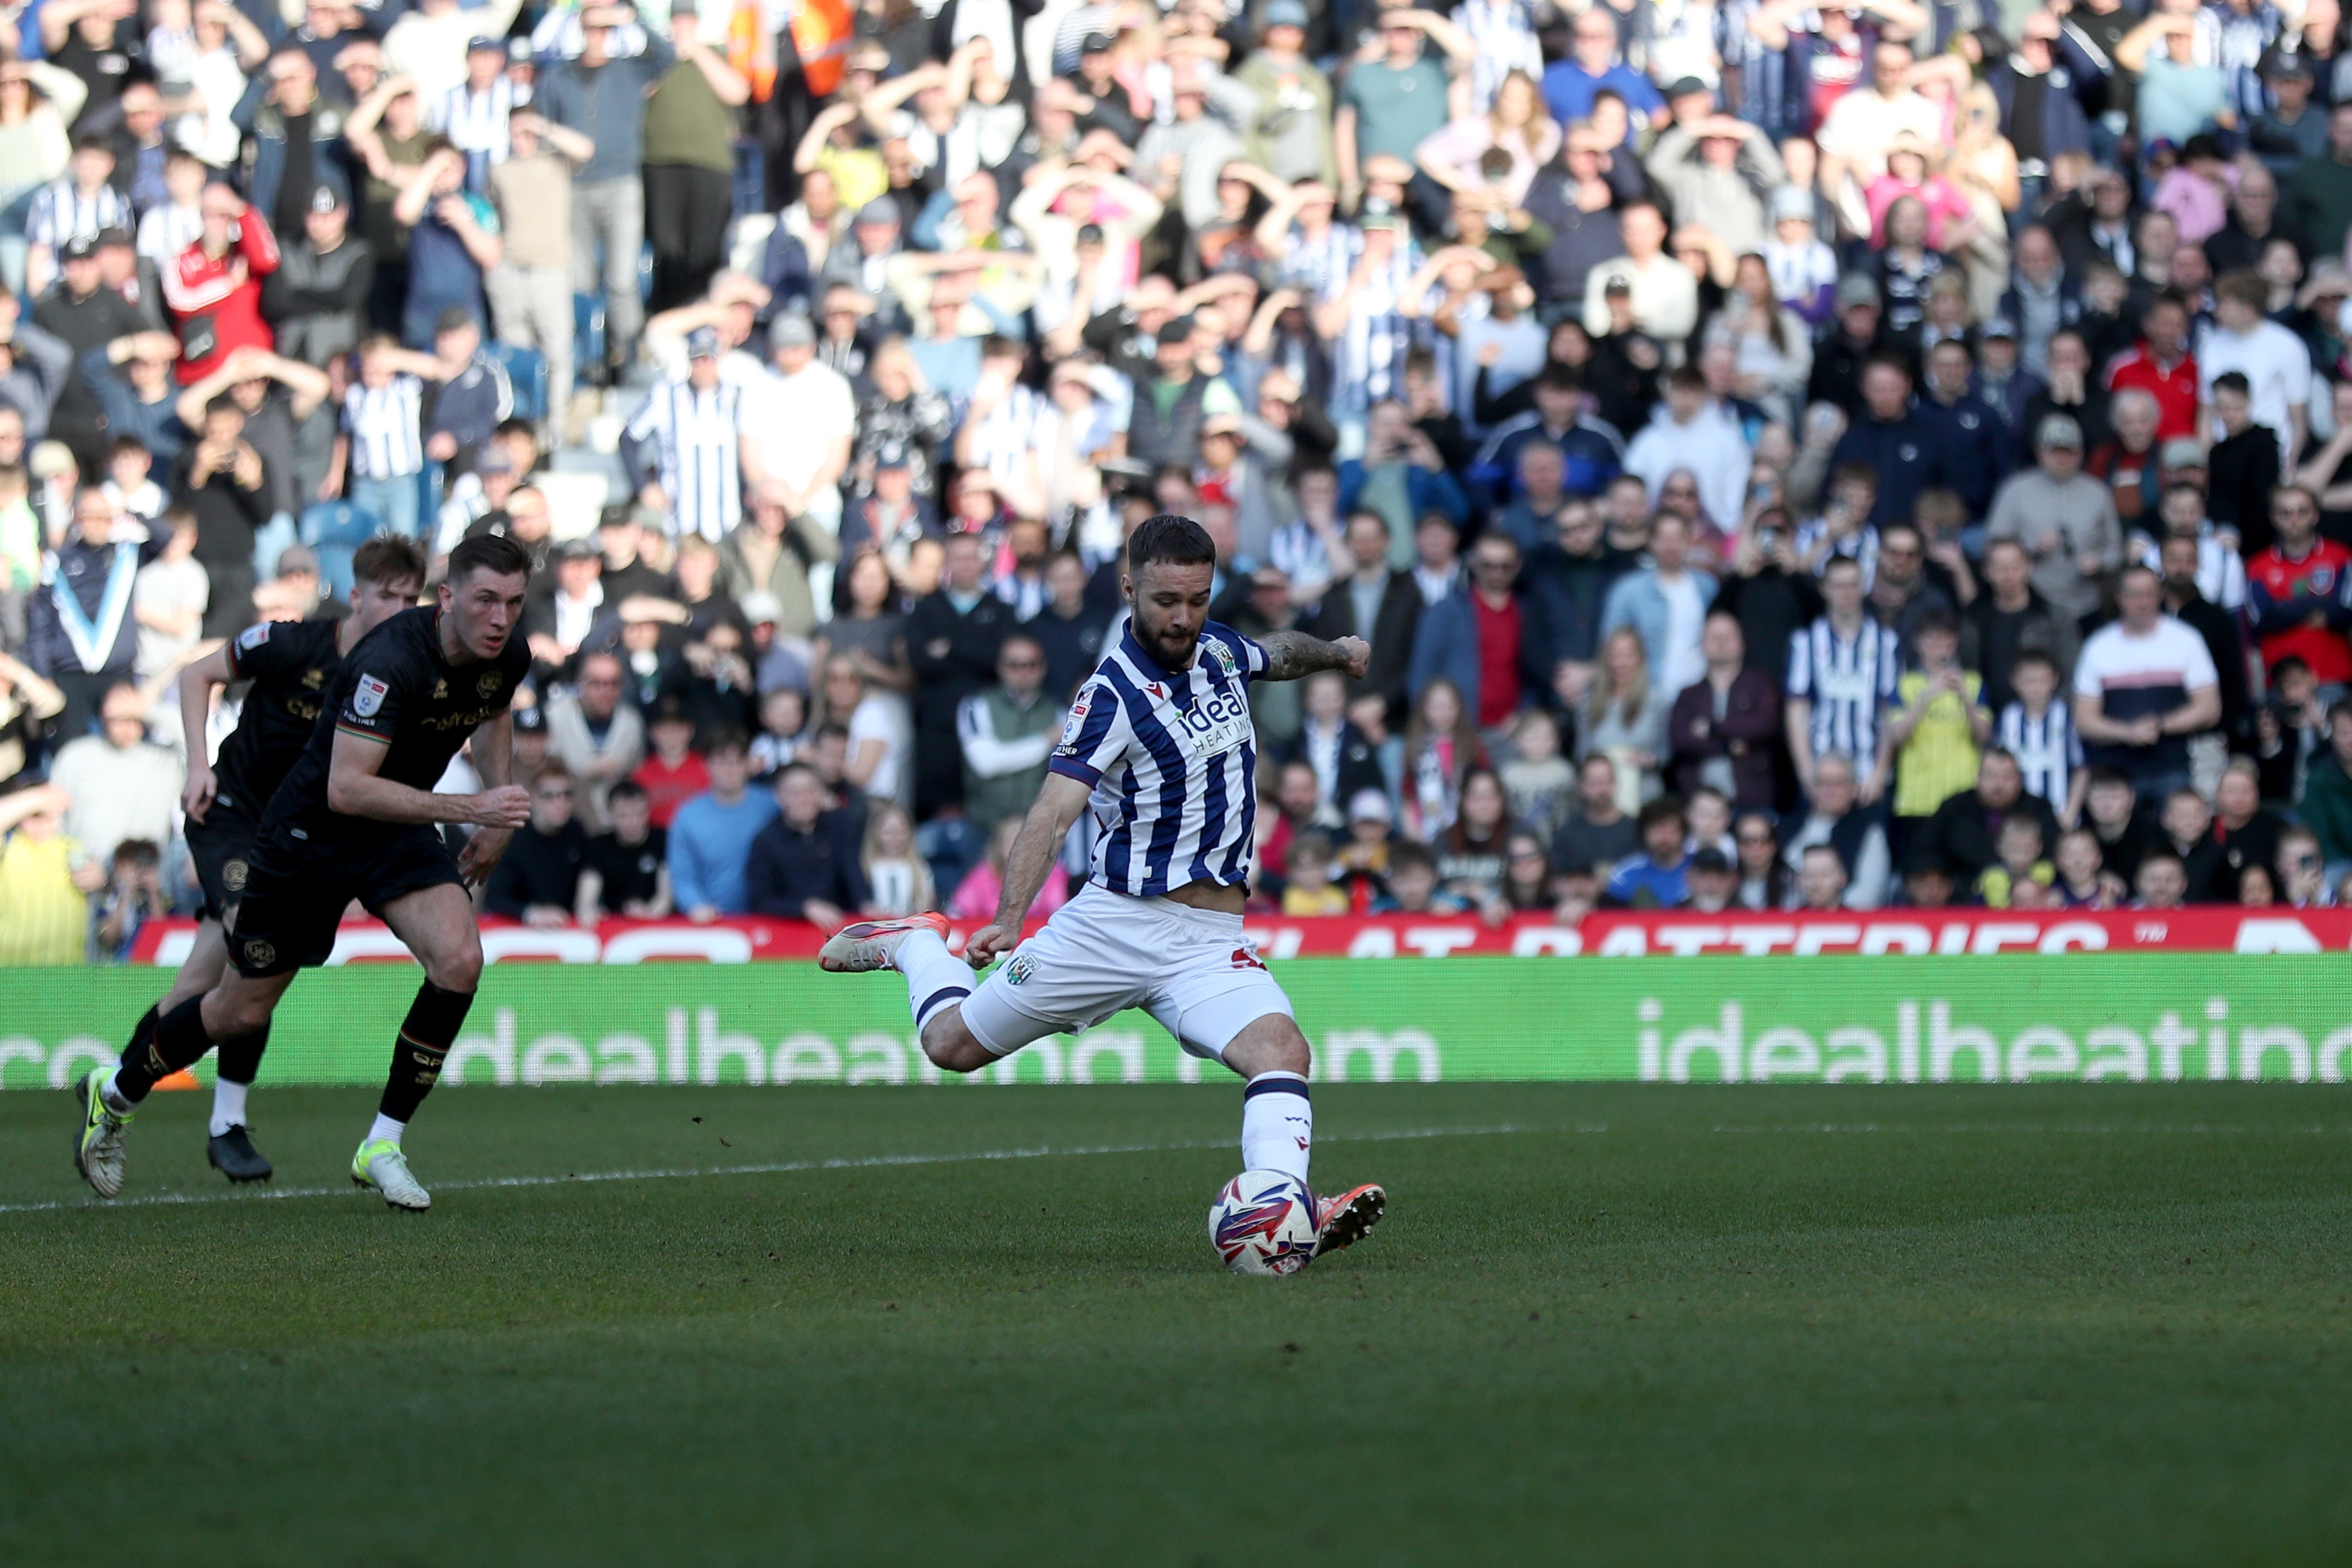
[1780,457]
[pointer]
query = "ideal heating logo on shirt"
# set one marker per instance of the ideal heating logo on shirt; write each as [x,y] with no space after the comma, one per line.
[1217,722]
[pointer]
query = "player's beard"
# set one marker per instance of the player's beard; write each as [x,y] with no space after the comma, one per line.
[1164,646]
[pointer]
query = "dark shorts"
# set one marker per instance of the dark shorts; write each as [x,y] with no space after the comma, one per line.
[222,848]
[296,893]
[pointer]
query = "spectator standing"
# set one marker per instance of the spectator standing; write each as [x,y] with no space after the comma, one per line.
[711,837]
[686,448]
[224,481]
[1724,730]
[689,162]
[316,302]
[1904,446]
[604,99]
[2316,202]
[1939,724]
[1663,294]
[1392,102]
[1692,432]
[83,635]
[1006,733]
[122,785]
[2275,363]
[804,418]
[79,204]
[2142,686]
[2296,593]
[952,637]
[2326,805]
[1381,606]
[45,881]
[1844,671]
[597,736]
[2064,520]
[453,243]
[382,442]
[212,288]
[805,864]
[531,287]
[2009,619]
[1478,640]
[168,599]
[1665,602]
[477,114]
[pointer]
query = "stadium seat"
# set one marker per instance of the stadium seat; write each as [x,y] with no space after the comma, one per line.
[334,530]
[527,368]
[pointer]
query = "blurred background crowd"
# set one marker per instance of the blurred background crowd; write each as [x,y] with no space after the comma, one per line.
[1780,456]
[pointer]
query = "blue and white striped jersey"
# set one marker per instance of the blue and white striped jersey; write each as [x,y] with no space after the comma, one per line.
[2047,749]
[1850,681]
[1172,758]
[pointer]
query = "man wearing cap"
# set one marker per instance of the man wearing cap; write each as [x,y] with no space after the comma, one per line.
[689,165]
[802,421]
[2001,383]
[316,301]
[686,446]
[474,114]
[863,263]
[604,98]
[429,43]
[72,318]
[2065,519]
[1289,136]
[2292,129]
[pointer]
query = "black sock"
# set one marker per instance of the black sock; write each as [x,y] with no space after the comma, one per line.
[240,1058]
[433,1023]
[177,1041]
[142,1033]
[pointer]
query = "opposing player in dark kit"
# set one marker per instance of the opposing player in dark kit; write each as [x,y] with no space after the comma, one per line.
[290,665]
[354,820]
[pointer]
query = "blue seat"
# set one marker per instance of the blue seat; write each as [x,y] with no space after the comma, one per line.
[335,530]
[527,369]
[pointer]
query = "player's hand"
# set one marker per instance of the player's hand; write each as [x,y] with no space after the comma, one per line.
[507,807]
[483,850]
[990,942]
[197,798]
[1359,655]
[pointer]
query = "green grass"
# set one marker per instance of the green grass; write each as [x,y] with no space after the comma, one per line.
[2078,1325]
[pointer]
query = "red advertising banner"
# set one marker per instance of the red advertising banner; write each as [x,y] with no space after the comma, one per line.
[1948,933]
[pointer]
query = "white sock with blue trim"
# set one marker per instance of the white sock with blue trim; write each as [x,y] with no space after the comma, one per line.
[1277,1125]
[936,978]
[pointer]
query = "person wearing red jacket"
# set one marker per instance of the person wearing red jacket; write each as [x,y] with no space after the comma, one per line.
[213,287]
[2296,592]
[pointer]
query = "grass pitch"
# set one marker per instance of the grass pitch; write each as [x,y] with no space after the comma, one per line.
[2078,1325]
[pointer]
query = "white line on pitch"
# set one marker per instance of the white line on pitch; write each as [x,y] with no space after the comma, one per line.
[869,1162]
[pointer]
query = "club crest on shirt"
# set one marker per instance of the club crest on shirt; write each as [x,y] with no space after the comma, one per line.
[313,679]
[1018,971]
[1224,657]
[2322,579]
[440,690]
[488,687]
[367,698]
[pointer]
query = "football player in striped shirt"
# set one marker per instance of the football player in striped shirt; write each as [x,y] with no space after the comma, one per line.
[1159,745]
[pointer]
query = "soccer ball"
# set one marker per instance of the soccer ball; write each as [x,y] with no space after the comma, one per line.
[1263,1223]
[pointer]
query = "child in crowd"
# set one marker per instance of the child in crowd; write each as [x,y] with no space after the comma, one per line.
[1412,884]
[1362,862]
[2302,875]
[784,719]
[1843,527]
[628,869]
[976,895]
[132,896]
[128,482]
[672,775]
[1539,781]
[178,221]
[1804,270]
[1939,722]
[1309,889]
[2038,731]
[2079,884]
[381,450]
[900,878]
[2163,882]
[1707,812]
[2019,848]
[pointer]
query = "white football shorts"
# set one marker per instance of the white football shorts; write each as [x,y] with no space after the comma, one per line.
[1103,952]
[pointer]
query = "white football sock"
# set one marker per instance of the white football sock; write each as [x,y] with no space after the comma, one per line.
[228,1105]
[936,978]
[114,1096]
[1277,1125]
[386,1128]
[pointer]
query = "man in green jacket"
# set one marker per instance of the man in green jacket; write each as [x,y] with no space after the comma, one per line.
[2326,808]
[2318,195]
[1290,134]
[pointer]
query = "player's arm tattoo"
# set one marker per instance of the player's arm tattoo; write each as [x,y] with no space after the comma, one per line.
[1291,655]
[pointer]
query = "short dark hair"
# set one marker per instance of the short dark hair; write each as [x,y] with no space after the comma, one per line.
[1167,538]
[1890,358]
[138,851]
[2234,382]
[2034,657]
[490,553]
[1665,809]
[627,789]
[121,444]
[388,558]
[1942,620]
[726,737]
[224,403]
[1411,853]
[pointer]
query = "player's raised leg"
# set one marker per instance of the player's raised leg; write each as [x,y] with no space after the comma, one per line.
[179,1038]
[438,925]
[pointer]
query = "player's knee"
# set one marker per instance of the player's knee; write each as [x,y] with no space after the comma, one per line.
[952,1048]
[458,970]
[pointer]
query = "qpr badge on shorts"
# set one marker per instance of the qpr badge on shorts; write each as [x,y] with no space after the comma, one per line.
[1018,971]
[233,876]
[260,954]
[367,698]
